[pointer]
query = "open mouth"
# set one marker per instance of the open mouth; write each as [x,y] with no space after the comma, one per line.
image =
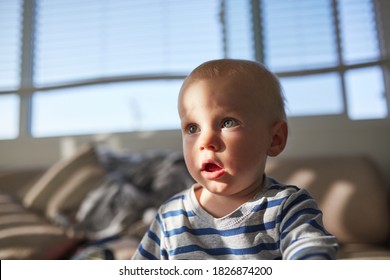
[212,170]
[211,167]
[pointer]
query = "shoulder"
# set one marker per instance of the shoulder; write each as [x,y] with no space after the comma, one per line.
[289,194]
[275,196]
[273,187]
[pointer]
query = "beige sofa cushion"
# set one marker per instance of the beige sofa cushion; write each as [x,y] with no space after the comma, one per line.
[27,230]
[63,186]
[363,252]
[349,190]
[26,235]
[16,182]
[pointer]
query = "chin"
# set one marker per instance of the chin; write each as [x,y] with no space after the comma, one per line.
[222,189]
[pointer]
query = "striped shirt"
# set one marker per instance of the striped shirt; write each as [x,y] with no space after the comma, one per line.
[280,222]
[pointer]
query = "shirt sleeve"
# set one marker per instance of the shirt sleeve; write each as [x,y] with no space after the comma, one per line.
[302,233]
[151,246]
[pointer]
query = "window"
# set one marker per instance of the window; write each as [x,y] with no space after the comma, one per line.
[136,106]
[9,121]
[98,40]
[116,66]
[365,91]
[302,37]
[360,82]
[313,95]
[10,28]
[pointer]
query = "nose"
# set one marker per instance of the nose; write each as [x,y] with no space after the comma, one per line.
[209,140]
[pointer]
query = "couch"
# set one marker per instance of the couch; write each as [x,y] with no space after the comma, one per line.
[62,212]
[29,199]
[353,196]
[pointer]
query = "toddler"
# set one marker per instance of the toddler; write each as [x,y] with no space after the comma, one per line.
[232,118]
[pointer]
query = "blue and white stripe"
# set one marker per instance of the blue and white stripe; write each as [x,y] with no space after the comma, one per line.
[281,222]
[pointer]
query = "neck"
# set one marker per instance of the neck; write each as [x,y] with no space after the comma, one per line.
[218,205]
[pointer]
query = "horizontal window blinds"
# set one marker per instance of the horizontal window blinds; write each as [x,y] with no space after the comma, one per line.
[239,37]
[10,44]
[298,35]
[98,38]
[358,30]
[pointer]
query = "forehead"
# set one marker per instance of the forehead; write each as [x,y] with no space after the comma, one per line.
[242,80]
[222,93]
[244,76]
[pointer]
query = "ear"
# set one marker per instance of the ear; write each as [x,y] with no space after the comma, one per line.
[279,138]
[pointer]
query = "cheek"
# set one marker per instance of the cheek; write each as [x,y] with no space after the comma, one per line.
[247,152]
[189,155]
[188,145]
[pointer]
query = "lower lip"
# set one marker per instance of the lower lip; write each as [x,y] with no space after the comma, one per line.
[213,175]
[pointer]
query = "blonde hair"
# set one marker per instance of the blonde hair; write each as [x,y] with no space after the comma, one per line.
[255,72]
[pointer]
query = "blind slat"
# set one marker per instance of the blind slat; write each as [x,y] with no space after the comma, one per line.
[10,44]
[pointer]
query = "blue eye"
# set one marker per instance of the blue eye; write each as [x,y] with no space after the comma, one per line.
[191,129]
[229,123]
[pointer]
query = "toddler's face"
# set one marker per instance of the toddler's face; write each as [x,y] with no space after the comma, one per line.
[225,138]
